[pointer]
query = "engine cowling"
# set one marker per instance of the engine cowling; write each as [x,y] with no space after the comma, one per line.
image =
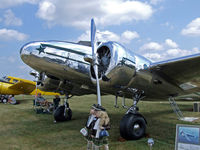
[49,85]
[116,67]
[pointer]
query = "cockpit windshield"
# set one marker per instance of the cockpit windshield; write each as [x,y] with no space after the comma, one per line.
[5,78]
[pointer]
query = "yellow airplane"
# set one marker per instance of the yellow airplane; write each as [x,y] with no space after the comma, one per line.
[11,85]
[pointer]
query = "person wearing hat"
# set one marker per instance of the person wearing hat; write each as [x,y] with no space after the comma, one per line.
[43,102]
[41,99]
[101,124]
[98,107]
[90,125]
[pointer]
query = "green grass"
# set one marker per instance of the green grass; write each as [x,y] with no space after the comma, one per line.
[22,129]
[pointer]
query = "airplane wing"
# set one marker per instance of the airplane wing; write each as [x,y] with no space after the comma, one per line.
[27,88]
[183,72]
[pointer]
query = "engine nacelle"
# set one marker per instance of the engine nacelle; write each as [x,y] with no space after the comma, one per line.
[56,85]
[116,66]
[49,85]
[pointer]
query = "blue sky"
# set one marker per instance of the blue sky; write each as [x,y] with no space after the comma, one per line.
[156,29]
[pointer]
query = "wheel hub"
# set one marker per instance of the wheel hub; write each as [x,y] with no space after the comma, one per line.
[136,126]
[137,129]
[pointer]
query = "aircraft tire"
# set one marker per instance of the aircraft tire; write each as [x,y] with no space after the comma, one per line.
[59,114]
[132,127]
[123,132]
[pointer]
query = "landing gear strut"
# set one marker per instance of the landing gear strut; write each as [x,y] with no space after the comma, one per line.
[133,124]
[63,112]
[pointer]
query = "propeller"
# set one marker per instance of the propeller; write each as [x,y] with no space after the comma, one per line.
[35,74]
[39,78]
[95,59]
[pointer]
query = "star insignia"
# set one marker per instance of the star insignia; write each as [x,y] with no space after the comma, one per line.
[41,49]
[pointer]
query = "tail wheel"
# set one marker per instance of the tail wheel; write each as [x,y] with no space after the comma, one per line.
[60,115]
[132,127]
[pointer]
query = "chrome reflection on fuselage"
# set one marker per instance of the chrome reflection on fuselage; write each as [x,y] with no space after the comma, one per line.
[55,57]
[119,68]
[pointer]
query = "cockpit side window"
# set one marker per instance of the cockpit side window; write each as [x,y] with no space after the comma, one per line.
[15,81]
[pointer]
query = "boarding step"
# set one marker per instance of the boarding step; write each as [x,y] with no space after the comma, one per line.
[176,108]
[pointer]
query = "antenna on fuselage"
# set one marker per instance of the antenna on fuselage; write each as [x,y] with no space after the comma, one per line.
[94,58]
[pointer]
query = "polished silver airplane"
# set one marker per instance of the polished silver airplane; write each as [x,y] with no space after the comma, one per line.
[78,68]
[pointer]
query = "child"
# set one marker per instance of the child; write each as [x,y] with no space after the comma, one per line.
[102,123]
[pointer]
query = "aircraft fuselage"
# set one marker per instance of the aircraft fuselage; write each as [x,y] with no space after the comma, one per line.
[119,69]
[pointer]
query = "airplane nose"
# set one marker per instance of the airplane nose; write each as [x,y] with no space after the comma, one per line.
[27,50]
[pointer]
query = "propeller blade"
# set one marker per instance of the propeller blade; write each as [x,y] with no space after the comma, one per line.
[98,86]
[95,61]
[93,37]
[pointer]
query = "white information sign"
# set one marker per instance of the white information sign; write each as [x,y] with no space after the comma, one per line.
[187,137]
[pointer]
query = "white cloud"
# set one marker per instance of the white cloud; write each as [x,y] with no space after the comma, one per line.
[127,36]
[103,36]
[10,19]
[107,36]
[193,28]
[171,43]
[10,3]
[152,46]
[46,11]
[153,56]
[167,50]
[173,52]
[85,36]
[7,34]
[169,54]
[181,52]
[106,12]
[196,50]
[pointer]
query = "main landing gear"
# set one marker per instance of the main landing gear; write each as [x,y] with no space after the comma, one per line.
[63,112]
[133,124]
